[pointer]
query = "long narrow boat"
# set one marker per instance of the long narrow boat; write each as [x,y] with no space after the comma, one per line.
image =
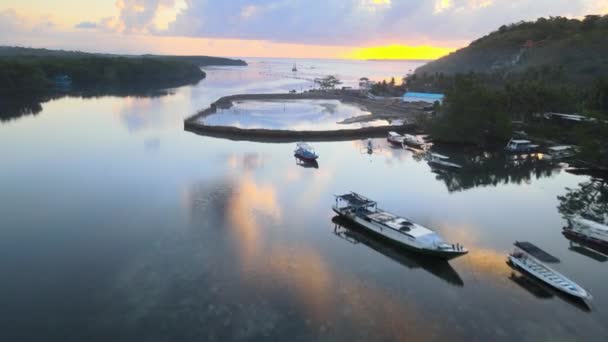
[524,261]
[364,212]
[439,160]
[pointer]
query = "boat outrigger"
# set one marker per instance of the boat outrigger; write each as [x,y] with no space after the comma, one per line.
[524,260]
[305,152]
[364,212]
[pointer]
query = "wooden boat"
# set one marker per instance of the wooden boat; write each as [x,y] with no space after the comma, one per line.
[526,262]
[518,146]
[435,159]
[305,152]
[364,212]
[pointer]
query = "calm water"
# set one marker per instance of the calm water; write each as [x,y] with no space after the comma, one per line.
[299,115]
[119,226]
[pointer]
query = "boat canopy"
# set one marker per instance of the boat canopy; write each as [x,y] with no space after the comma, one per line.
[394,134]
[536,252]
[304,146]
[591,224]
[519,141]
[356,200]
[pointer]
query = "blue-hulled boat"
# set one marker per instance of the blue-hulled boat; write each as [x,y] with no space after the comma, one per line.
[305,152]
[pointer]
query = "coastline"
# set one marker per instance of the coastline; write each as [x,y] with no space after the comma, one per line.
[380,109]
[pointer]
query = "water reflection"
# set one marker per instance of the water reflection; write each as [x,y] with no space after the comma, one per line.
[12,108]
[589,200]
[15,107]
[483,169]
[439,268]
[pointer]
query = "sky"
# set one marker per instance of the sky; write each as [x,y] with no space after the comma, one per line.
[352,29]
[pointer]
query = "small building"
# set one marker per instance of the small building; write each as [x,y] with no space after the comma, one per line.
[423,97]
[62,81]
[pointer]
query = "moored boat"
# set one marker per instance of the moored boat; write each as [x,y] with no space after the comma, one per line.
[395,138]
[364,212]
[588,231]
[524,261]
[413,141]
[520,145]
[305,152]
[560,152]
[441,161]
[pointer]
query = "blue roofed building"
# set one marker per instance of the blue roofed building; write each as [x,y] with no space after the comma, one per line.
[422,97]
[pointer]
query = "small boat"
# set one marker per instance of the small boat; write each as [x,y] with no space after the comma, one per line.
[526,262]
[517,145]
[365,213]
[589,231]
[413,141]
[439,160]
[305,152]
[395,138]
[295,68]
[561,152]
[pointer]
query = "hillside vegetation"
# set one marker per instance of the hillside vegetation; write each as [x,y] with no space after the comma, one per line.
[577,49]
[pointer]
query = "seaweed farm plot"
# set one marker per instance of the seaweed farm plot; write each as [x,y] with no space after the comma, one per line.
[293,115]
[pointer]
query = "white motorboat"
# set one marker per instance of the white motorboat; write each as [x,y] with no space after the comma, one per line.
[435,159]
[588,231]
[413,141]
[560,152]
[518,146]
[395,138]
[364,212]
[526,262]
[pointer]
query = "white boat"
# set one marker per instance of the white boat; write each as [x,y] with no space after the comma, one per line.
[524,261]
[395,138]
[515,145]
[561,152]
[413,141]
[587,230]
[440,160]
[364,212]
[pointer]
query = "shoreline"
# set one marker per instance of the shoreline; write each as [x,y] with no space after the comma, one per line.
[380,109]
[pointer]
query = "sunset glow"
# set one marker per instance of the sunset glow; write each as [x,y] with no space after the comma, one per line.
[399,52]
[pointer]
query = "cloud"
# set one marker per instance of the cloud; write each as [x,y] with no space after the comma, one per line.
[356,22]
[86,25]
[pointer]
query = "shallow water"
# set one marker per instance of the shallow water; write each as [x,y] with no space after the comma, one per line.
[297,115]
[118,225]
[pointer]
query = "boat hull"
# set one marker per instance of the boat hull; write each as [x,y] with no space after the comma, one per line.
[398,239]
[306,158]
[598,244]
[516,263]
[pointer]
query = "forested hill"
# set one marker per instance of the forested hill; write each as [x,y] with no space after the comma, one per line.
[576,49]
[10,51]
